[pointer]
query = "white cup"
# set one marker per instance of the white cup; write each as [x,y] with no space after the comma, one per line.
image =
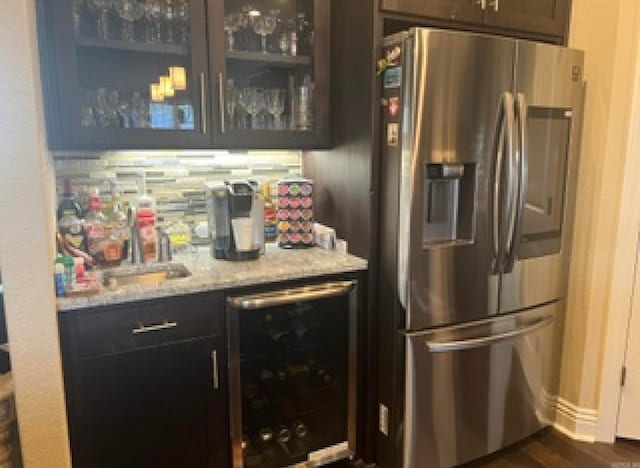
[243,233]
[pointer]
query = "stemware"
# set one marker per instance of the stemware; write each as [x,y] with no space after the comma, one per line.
[253,101]
[183,16]
[76,13]
[153,16]
[169,15]
[264,25]
[87,113]
[275,105]
[129,11]
[231,102]
[102,7]
[232,24]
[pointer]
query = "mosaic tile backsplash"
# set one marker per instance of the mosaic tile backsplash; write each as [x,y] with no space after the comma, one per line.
[175,179]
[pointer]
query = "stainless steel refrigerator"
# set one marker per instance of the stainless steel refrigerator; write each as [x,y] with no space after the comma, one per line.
[480,143]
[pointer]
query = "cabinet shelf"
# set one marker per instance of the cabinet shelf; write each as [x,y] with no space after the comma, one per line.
[132,46]
[273,59]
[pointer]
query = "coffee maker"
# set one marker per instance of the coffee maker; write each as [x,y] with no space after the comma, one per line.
[231,225]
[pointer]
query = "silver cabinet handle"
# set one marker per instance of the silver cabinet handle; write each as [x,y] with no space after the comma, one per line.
[291,296]
[495,4]
[214,368]
[203,103]
[442,347]
[221,98]
[482,4]
[154,328]
[522,169]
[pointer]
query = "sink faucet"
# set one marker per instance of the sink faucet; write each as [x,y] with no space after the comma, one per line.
[136,247]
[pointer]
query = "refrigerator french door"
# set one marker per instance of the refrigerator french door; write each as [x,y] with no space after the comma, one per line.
[478,165]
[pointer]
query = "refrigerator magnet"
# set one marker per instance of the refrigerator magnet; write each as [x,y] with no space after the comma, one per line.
[393,106]
[393,131]
[392,78]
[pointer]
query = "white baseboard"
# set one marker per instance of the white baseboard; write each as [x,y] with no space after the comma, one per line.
[574,421]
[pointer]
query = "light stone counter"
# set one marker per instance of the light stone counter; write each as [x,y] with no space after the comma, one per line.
[208,274]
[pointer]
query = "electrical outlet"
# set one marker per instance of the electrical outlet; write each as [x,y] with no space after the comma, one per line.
[383,419]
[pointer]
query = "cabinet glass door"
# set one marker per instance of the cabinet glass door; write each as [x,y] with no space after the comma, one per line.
[271,65]
[131,73]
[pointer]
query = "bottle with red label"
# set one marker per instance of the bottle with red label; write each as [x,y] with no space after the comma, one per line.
[146,215]
[100,244]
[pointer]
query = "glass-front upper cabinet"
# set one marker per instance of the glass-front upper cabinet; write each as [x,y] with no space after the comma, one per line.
[125,73]
[270,67]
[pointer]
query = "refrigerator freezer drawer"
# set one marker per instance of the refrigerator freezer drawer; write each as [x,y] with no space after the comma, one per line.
[472,389]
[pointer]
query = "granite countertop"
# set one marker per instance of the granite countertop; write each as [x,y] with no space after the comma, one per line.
[208,274]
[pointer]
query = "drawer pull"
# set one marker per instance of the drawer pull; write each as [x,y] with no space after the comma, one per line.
[214,365]
[153,328]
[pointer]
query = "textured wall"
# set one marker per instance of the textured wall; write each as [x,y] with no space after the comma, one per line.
[609,33]
[26,243]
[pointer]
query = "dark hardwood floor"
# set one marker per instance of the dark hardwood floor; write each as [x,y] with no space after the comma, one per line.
[551,449]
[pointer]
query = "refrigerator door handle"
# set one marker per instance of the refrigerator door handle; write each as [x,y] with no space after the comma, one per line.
[504,138]
[522,169]
[471,343]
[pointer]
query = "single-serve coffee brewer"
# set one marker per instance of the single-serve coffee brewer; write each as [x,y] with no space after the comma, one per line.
[234,222]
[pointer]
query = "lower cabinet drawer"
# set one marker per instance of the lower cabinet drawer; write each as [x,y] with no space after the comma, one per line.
[124,327]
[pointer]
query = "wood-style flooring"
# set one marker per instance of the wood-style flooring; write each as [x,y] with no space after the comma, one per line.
[550,449]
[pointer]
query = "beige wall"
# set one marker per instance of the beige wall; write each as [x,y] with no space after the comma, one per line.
[609,32]
[26,243]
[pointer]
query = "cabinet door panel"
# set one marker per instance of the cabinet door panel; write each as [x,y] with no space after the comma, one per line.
[104,67]
[270,70]
[161,407]
[538,16]
[456,10]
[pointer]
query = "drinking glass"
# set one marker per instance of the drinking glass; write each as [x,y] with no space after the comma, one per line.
[284,43]
[153,16]
[88,116]
[263,26]
[76,13]
[169,15]
[254,102]
[232,24]
[129,11]
[183,16]
[101,109]
[102,7]
[275,105]
[231,102]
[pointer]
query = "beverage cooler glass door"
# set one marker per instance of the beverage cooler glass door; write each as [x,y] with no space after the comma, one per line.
[472,389]
[132,73]
[456,127]
[292,371]
[548,97]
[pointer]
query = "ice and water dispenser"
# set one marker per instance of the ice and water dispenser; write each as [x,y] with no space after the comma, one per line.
[449,193]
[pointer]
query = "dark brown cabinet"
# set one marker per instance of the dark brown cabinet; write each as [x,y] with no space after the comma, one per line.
[155,74]
[541,16]
[537,17]
[146,384]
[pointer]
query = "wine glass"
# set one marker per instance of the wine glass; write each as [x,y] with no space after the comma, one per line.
[232,24]
[153,15]
[169,15]
[254,102]
[102,7]
[129,11]
[87,113]
[76,13]
[231,102]
[183,16]
[275,105]
[263,26]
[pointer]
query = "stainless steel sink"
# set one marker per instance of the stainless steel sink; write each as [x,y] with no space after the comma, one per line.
[145,274]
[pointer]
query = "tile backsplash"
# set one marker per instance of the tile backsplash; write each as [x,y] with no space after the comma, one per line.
[176,179]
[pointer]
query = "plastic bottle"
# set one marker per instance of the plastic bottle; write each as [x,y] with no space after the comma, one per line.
[100,244]
[146,216]
[119,223]
[59,279]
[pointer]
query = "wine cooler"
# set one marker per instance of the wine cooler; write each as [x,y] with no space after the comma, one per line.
[292,375]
